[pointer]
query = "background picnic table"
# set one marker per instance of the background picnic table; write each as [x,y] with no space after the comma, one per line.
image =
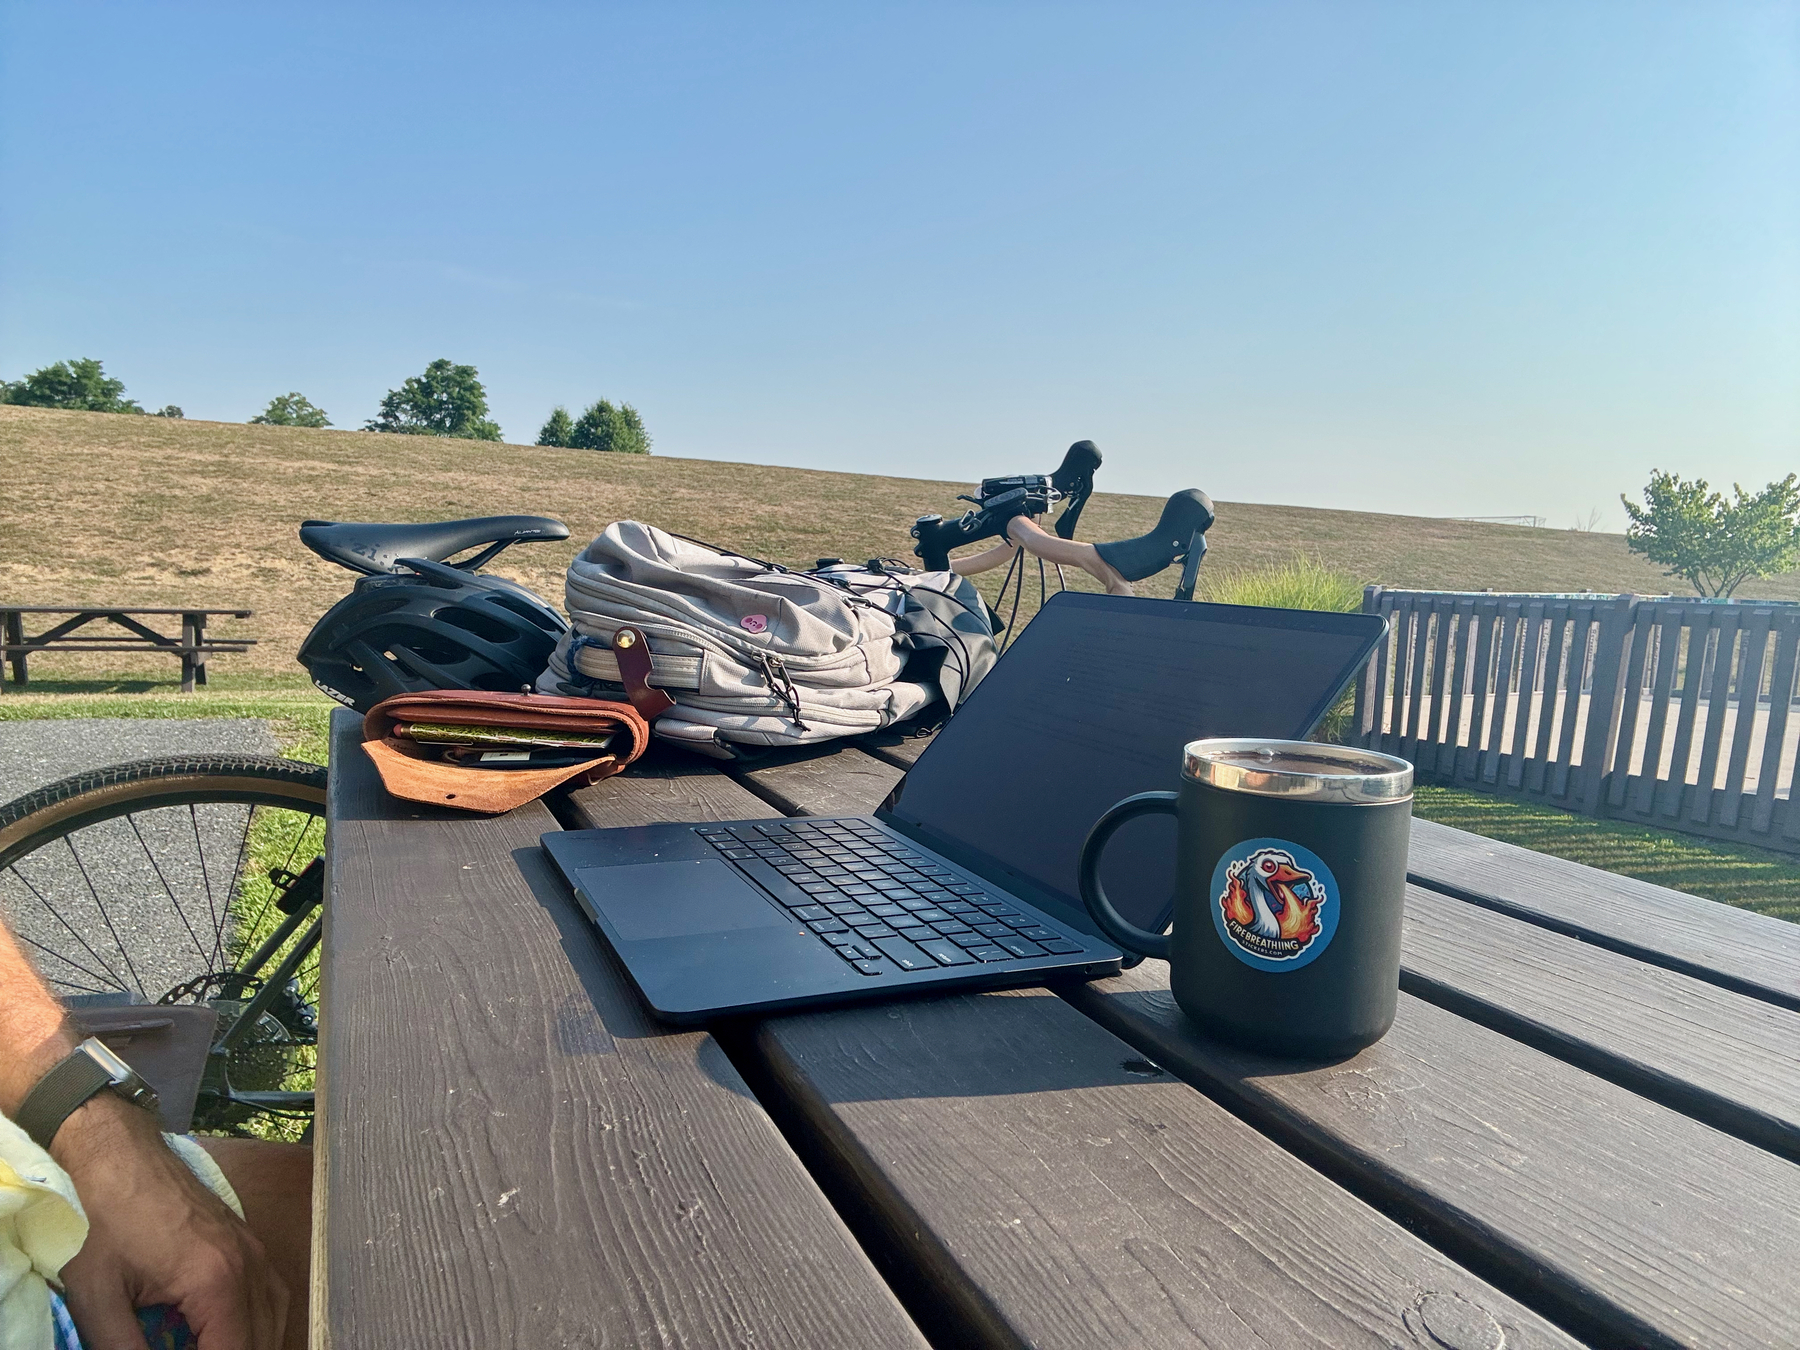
[1583,1127]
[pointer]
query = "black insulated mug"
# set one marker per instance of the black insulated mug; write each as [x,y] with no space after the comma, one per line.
[1289,892]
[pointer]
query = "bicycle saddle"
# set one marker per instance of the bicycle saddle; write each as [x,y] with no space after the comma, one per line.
[1187,513]
[374,548]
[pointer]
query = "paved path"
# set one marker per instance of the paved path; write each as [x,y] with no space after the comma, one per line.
[39,752]
[133,904]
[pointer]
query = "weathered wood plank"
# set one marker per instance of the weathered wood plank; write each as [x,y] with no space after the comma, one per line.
[1705,1051]
[835,780]
[1521,747]
[1629,1223]
[1749,690]
[1575,668]
[1748,953]
[1568,701]
[1443,658]
[1365,681]
[1469,768]
[1493,759]
[1538,779]
[1633,728]
[1606,678]
[515,1154]
[1693,664]
[666,784]
[1417,691]
[1456,672]
[1668,652]
[1781,696]
[1718,701]
[1037,1183]
[1381,662]
[1641,641]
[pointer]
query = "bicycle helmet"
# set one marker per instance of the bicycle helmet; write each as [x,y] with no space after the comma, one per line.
[435,627]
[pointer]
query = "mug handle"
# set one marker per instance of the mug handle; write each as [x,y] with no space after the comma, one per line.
[1093,895]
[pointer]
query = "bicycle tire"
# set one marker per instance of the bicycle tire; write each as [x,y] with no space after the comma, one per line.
[248,808]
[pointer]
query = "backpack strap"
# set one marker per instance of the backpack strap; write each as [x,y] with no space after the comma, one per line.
[632,651]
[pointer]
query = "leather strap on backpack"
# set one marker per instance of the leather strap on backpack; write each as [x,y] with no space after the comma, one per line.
[632,650]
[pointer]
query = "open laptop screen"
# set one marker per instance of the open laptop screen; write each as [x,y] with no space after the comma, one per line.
[1093,702]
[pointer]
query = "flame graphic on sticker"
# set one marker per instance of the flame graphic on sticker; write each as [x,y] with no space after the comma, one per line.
[1271,905]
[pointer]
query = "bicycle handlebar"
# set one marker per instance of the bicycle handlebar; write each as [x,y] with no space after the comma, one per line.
[998,500]
[1179,533]
[1185,519]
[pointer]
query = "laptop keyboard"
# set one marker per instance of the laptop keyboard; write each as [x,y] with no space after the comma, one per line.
[882,906]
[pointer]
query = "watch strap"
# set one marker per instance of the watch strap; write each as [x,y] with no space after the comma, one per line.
[58,1093]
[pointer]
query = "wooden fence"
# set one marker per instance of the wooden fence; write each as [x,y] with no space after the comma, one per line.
[1676,713]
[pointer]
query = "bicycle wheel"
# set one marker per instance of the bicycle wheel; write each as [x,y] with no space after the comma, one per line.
[185,880]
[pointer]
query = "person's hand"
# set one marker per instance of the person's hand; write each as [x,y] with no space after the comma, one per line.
[156,1234]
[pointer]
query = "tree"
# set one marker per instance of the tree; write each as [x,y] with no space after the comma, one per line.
[604,427]
[1714,544]
[446,400]
[292,409]
[71,384]
[559,429]
[170,411]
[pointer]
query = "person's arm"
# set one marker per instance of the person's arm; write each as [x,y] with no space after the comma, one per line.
[156,1234]
[973,564]
[1037,541]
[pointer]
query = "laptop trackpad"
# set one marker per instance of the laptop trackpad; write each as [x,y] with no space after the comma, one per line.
[678,899]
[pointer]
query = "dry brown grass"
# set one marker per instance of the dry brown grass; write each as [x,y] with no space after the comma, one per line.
[107,509]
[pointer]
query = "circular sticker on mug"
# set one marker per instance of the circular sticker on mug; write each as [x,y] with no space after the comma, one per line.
[1275,904]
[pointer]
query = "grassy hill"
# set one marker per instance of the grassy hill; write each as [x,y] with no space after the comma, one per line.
[108,509]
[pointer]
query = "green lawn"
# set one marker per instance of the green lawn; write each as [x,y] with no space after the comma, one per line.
[1734,874]
[297,713]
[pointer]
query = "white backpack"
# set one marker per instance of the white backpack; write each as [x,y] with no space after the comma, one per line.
[758,655]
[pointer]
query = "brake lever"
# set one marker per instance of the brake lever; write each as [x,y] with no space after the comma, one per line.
[1190,570]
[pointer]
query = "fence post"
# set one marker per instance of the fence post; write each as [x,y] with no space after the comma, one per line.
[1605,703]
[1365,684]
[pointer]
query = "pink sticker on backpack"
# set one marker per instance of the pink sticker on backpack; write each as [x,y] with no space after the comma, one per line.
[755,623]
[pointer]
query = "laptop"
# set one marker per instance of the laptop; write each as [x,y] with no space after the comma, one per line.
[966,876]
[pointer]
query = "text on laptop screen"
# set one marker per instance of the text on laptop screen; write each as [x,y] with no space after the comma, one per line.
[1093,702]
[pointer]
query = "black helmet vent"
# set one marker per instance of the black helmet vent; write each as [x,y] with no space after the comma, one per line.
[433,628]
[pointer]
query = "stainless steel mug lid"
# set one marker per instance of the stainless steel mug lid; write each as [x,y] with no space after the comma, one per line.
[1298,770]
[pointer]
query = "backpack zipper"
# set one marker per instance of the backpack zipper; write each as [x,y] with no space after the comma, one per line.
[775,672]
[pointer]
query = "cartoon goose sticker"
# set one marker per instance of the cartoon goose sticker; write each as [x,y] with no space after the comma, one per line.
[1271,904]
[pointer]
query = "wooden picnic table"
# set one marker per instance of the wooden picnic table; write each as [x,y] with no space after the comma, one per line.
[129,631]
[1584,1127]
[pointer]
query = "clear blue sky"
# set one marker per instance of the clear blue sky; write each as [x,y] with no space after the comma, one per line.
[1426,257]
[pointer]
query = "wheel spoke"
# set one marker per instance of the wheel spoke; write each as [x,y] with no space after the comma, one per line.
[57,914]
[105,917]
[168,890]
[33,942]
[206,881]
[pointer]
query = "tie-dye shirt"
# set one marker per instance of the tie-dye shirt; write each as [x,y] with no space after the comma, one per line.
[164,1327]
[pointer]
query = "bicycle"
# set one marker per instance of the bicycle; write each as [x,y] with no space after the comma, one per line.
[195,879]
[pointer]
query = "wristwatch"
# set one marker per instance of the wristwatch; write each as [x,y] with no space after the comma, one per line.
[87,1070]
